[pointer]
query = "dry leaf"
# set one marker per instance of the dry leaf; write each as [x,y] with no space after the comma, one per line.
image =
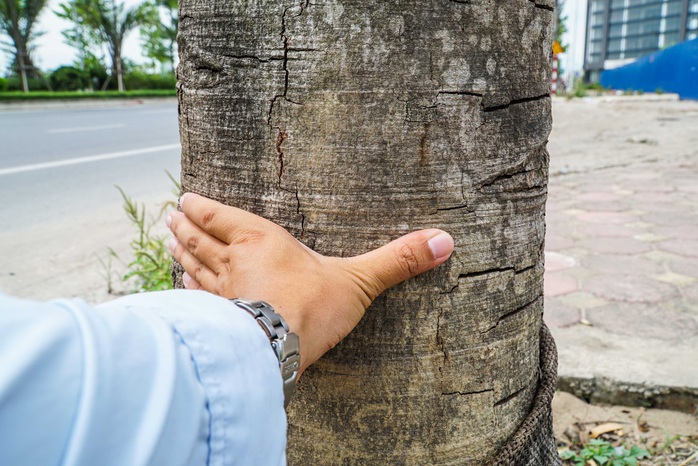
[605,428]
[643,426]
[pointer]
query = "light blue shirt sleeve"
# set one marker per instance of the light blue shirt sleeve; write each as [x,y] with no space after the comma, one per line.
[169,378]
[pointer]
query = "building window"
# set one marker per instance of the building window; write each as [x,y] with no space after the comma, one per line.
[674,8]
[671,39]
[673,24]
[693,22]
[597,6]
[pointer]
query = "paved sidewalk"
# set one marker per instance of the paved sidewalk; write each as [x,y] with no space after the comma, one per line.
[621,282]
[62,104]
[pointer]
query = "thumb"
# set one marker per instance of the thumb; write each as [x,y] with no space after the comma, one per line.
[405,257]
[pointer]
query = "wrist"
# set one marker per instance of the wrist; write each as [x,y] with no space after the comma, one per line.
[284,343]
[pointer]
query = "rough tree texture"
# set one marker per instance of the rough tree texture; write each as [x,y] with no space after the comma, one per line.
[351,123]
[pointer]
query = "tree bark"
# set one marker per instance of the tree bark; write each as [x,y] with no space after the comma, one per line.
[351,123]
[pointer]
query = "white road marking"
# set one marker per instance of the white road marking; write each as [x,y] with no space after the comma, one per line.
[92,158]
[83,128]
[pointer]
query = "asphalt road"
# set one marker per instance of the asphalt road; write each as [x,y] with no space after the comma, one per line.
[62,162]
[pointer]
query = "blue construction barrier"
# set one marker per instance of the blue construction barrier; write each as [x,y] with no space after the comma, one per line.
[670,70]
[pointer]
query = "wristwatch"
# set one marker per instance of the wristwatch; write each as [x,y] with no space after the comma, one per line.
[285,343]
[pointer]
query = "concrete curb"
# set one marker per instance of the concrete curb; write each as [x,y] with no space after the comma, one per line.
[603,390]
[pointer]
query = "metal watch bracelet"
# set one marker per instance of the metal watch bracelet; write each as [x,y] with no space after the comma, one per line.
[285,343]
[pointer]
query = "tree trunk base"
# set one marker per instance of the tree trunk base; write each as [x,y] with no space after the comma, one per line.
[533,443]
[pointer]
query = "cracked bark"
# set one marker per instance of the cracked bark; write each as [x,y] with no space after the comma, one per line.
[351,123]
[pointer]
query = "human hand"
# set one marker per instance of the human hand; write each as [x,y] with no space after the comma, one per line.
[236,254]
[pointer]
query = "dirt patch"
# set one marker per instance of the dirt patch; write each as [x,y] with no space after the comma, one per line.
[671,437]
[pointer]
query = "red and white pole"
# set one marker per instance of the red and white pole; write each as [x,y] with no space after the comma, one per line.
[553,87]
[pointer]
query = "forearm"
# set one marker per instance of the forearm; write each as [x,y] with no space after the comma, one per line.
[163,378]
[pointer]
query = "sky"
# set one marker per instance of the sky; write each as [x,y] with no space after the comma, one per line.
[52,52]
[573,59]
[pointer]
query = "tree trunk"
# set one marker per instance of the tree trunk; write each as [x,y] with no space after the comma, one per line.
[118,71]
[351,123]
[22,72]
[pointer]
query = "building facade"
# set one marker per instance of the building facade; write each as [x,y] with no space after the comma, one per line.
[619,31]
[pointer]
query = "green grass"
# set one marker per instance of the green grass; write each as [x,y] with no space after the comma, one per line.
[47,95]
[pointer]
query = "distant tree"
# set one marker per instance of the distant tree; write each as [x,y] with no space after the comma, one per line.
[560,24]
[17,20]
[109,23]
[68,78]
[159,33]
[82,38]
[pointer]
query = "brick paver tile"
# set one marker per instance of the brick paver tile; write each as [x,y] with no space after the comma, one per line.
[649,237]
[660,257]
[603,206]
[610,230]
[675,279]
[680,246]
[558,315]
[639,175]
[684,266]
[606,217]
[615,245]
[643,320]
[673,231]
[633,288]
[556,261]
[556,284]
[672,218]
[598,196]
[621,265]
[656,186]
[582,300]
[557,242]
[688,187]
[654,198]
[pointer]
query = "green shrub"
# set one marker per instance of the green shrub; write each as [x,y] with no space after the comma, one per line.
[138,79]
[3,84]
[44,95]
[593,87]
[68,78]
[14,83]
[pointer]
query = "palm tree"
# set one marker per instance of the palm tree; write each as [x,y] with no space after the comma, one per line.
[160,37]
[111,22]
[351,123]
[18,20]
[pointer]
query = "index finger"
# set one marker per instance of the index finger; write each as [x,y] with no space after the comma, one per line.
[214,218]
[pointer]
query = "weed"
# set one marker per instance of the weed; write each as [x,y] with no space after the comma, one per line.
[603,453]
[150,268]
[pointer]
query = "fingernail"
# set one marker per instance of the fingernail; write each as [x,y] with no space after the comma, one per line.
[172,244]
[186,278]
[168,220]
[441,245]
[181,201]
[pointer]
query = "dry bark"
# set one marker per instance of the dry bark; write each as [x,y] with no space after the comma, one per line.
[351,123]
